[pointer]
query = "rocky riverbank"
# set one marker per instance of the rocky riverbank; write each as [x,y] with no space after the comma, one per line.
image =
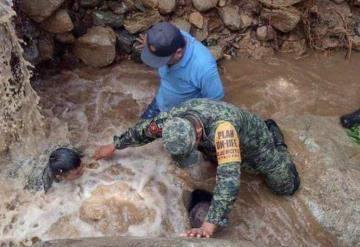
[98,32]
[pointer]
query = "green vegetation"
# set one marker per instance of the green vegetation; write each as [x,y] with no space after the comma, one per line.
[354,134]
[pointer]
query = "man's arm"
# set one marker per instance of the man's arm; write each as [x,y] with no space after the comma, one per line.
[210,83]
[227,180]
[145,131]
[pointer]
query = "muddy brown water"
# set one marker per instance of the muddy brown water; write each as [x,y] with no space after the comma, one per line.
[140,192]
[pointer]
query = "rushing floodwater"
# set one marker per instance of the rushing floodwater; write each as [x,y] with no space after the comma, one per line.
[140,193]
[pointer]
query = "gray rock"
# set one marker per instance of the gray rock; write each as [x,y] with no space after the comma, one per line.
[182,24]
[107,18]
[90,3]
[201,34]
[97,47]
[196,19]
[284,20]
[245,21]
[338,1]
[39,10]
[145,242]
[167,6]
[141,21]
[231,17]
[204,5]
[125,40]
[60,22]
[265,33]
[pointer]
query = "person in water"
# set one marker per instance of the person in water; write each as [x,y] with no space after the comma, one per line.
[230,138]
[64,164]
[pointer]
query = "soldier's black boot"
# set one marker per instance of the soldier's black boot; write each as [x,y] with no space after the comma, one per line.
[276,133]
[350,120]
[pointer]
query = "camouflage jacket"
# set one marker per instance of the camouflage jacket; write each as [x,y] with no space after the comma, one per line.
[230,136]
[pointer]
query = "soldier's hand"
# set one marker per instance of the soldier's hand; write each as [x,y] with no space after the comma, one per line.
[205,231]
[196,233]
[105,151]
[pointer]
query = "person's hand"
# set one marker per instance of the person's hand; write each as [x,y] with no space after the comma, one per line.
[142,41]
[205,231]
[104,152]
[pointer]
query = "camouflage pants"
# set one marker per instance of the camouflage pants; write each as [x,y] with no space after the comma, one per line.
[276,165]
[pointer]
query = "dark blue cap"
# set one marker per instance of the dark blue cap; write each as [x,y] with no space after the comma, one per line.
[163,40]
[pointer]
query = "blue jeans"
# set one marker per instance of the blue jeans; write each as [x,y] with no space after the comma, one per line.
[151,111]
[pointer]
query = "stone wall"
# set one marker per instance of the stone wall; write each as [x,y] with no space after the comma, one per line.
[19,115]
[98,32]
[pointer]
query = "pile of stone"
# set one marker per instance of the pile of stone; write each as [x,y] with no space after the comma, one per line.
[99,31]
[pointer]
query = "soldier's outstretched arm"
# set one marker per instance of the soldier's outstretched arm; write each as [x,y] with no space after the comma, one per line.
[145,131]
[228,173]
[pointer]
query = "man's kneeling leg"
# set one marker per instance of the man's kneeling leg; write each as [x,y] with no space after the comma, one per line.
[284,179]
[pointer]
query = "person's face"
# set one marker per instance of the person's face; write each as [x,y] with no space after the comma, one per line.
[73,174]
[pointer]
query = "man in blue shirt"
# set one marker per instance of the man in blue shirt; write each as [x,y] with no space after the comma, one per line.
[186,68]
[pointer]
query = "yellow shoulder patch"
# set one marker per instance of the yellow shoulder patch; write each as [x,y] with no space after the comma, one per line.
[227,144]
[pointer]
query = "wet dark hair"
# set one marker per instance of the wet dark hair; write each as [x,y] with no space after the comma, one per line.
[63,160]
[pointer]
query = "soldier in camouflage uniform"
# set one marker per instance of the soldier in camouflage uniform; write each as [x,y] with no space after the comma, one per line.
[225,134]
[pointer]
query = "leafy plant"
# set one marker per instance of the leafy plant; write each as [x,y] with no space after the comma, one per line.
[354,134]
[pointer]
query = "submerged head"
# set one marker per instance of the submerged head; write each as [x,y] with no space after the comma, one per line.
[64,165]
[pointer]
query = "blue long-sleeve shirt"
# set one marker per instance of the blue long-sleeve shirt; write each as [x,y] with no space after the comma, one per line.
[194,76]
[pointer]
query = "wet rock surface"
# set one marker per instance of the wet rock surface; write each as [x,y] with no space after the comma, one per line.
[284,20]
[204,5]
[141,21]
[97,47]
[39,10]
[145,242]
[60,22]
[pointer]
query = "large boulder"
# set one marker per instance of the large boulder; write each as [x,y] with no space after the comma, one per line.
[167,6]
[182,24]
[60,22]
[284,20]
[196,19]
[204,5]
[141,21]
[39,10]
[231,17]
[97,47]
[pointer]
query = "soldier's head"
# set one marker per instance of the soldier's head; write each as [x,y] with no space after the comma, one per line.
[65,164]
[179,138]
